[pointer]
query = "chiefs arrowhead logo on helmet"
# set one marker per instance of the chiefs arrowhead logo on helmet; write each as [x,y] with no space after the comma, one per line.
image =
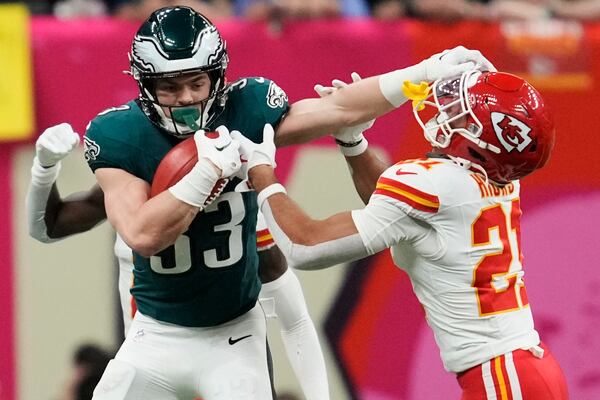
[495,120]
[512,133]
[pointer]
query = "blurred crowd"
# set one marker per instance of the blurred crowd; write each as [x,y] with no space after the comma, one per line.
[443,10]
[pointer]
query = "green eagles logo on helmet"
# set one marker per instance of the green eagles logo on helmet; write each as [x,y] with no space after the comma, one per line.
[175,41]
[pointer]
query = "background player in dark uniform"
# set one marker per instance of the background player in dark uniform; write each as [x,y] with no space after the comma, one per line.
[196,291]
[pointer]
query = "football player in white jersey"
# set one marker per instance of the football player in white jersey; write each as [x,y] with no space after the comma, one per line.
[452,222]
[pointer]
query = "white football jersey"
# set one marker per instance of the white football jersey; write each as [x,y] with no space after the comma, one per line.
[458,239]
[125,258]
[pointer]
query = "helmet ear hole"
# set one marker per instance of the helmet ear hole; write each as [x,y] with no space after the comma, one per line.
[533,146]
[476,155]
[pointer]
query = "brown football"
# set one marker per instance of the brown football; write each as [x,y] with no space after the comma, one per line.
[175,165]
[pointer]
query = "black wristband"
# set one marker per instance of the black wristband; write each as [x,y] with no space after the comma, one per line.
[348,144]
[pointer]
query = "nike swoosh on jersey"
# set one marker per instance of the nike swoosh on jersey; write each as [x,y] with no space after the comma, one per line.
[233,341]
[400,172]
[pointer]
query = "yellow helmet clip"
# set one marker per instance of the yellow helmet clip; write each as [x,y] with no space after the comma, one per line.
[416,93]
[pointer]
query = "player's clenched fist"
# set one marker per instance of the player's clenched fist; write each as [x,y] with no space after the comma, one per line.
[55,144]
[350,139]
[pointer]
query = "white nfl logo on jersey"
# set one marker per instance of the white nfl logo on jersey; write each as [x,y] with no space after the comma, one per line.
[512,133]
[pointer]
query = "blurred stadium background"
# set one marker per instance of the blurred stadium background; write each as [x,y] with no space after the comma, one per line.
[54,297]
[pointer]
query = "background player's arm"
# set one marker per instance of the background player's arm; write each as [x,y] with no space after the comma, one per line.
[146,225]
[271,264]
[49,216]
[76,213]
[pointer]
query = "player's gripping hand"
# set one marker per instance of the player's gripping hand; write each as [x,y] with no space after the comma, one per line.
[454,62]
[55,143]
[350,139]
[254,154]
[218,160]
[219,148]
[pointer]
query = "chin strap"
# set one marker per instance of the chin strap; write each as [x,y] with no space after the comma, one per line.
[467,164]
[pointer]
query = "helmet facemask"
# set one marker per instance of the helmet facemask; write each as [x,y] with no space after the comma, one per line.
[174,42]
[453,113]
[187,119]
[494,122]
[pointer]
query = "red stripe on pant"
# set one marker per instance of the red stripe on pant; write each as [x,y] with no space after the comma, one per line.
[538,378]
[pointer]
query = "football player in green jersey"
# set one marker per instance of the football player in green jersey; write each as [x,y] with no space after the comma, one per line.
[198,331]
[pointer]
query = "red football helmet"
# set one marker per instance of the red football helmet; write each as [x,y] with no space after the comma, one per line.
[493,120]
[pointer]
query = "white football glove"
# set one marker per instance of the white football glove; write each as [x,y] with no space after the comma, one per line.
[218,160]
[254,154]
[349,139]
[349,134]
[219,148]
[454,62]
[55,143]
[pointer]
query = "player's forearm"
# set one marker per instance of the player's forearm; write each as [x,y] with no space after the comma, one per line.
[36,199]
[76,213]
[365,170]
[300,227]
[306,243]
[154,224]
[271,264]
[352,105]
[41,192]
[312,118]
[147,225]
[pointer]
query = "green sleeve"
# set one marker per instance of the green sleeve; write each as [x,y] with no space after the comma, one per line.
[104,148]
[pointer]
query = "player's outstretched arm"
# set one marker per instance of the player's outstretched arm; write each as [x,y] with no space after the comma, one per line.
[371,97]
[299,231]
[315,244]
[306,243]
[49,216]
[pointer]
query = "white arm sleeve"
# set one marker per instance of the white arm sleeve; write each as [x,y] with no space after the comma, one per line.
[38,192]
[319,256]
[380,225]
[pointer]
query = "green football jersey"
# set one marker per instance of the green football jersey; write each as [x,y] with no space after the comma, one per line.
[210,274]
